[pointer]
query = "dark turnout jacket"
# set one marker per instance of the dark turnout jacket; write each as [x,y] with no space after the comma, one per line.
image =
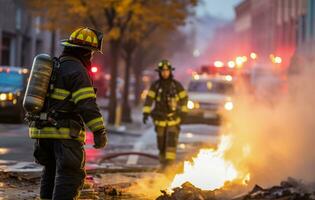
[159,95]
[74,91]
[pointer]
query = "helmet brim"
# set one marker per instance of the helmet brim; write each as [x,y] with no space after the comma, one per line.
[68,44]
[158,69]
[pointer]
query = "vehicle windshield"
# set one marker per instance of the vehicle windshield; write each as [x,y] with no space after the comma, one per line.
[11,81]
[216,87]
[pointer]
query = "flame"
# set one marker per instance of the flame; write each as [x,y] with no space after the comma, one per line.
[209,170]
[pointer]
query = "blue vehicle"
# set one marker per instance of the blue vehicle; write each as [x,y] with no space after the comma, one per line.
[12,88]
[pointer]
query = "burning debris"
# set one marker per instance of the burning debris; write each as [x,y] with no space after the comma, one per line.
[187,192]
[210,164]
[287,190]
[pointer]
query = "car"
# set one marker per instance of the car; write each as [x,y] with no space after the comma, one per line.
[12,88]
[208,96]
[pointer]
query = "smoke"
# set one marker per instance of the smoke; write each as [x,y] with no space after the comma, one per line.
[275,138]
[150,186]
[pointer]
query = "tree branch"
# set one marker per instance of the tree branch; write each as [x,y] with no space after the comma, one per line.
[90,17]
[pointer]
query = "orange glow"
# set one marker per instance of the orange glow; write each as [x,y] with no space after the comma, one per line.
[253,56]
[210,170]
[218,64]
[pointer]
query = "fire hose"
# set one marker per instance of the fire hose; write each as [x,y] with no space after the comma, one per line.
[128,153]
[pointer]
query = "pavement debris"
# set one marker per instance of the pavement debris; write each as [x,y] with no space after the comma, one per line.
[291,189]
[187,192]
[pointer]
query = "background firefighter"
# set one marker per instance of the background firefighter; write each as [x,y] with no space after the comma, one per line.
[170,107]
[70,105]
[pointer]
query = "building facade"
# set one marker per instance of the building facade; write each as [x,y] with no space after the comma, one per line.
[20,36]
[273,27]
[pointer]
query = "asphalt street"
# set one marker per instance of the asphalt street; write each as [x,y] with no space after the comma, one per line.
[15,145]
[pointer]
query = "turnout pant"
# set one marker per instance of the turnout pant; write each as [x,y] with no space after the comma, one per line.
[167,139]
[63,174]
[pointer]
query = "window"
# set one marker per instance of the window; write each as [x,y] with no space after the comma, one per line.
[5,50]
[215,87]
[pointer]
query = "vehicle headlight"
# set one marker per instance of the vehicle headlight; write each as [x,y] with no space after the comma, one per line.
[228,106]
[190,105]
[10,96]
[3,97]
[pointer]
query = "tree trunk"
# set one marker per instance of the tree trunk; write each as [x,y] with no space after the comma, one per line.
[138,84]
[126,110]
[138,87]
[53,43]
[114,52]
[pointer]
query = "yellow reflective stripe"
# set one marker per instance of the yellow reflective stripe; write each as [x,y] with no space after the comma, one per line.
[85,96]
[54,133]
[160,123]
[182,94]
[83,93]
[184,109]
[170,155]
[167,123]
[96,124]
[54,96]
[86,89]
[146,109]
[61,91]
[59,94]
[50,129]
[173,122]
[151,94]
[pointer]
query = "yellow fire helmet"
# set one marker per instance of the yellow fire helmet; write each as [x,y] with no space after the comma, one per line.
[86,38]
[164,64]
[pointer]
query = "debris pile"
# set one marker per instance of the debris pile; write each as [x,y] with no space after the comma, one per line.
[89,190]
[187,192]
[290,189]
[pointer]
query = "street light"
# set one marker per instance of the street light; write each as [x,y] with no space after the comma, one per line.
[253,56]
[196,53]
[239,61]
[278,60]
[218,64]
[231,64]
[275,59]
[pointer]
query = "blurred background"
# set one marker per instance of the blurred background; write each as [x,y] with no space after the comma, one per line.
[246,64]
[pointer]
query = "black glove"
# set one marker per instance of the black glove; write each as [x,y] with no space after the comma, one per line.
[145,118]
[100,139]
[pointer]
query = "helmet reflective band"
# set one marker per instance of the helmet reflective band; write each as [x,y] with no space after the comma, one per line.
[85,38]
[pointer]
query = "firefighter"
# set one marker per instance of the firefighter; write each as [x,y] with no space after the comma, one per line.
[170,107]
[71,106]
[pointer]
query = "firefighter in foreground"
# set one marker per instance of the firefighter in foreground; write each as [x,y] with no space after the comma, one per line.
[70,105]
[170,107]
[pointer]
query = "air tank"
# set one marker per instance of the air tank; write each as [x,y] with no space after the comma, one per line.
[38,83]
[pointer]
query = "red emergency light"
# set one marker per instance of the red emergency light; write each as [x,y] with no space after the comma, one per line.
[94,69]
